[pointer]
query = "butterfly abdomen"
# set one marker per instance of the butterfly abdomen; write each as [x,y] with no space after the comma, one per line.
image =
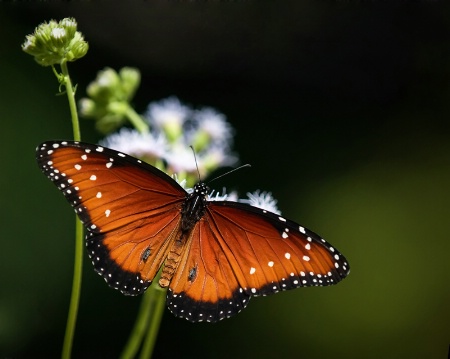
[172,262]
[192,211]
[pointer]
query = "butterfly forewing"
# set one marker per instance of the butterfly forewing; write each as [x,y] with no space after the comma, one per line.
[131,210]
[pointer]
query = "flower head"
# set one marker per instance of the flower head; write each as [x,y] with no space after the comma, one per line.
[54,42]
[211,127]
[147,146]
[174,128]
[168,115]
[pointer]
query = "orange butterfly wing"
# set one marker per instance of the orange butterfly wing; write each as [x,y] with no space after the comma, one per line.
[131,212]
[237,251]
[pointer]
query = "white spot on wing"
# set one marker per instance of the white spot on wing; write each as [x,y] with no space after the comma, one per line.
[77,167]
[270,264]
[107,212]
[84,157]
[93,177]
[252,270]
[287,255]
[99,195]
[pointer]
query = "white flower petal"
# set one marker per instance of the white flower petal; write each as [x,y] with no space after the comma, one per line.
[136,144]
[263,200]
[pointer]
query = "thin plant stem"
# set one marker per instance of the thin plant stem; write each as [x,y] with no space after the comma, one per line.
[136,120]
[76,288]
[148,319]
[157,296]
[71,99]
[78,258]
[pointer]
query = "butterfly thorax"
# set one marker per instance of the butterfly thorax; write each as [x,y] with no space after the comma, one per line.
[192,210]
[194,207]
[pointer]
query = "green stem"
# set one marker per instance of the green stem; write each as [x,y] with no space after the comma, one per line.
[76,287]
[158,297]
[136,120]
[78,259]
[148,318]
[72,104]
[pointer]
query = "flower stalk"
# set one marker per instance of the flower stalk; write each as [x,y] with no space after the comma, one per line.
[56,43]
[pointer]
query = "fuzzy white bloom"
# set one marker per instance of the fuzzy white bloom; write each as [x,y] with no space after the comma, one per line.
[137,144]
[168,112]
[180,159]
[217,156]
[263,200]
[214,124]
[175,128]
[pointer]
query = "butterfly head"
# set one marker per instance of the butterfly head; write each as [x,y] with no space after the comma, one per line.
[200,189]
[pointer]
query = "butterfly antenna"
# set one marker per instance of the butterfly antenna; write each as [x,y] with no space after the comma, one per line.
[196,164]
[227,173]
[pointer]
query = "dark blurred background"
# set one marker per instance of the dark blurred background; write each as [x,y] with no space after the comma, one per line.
[343,110]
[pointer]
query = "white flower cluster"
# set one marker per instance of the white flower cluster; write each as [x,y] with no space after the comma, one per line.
[174,127]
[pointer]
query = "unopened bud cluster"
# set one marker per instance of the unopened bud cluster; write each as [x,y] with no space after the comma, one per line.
[55,42]
[109,97]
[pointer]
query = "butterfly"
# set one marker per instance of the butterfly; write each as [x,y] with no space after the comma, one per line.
[214,255]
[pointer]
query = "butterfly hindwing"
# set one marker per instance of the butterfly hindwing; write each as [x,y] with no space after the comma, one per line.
[205,287]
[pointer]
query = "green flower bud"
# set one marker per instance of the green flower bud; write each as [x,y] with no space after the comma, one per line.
[105,87]
[87,107]
[54,42]
[110,95]
[117,107]
[109,123]
[70,25]
[131,79]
